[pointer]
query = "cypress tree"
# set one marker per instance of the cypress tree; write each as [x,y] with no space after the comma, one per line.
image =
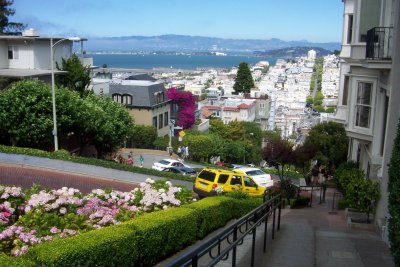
[7,27]
[394,199]
[244,80]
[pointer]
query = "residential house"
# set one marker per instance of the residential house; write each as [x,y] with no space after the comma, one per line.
[29,55]
[146,101]
[369,92]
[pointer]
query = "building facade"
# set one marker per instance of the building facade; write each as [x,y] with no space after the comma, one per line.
[369,91]
[146,101]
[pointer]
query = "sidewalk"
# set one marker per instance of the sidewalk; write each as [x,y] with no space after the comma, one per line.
[312,236]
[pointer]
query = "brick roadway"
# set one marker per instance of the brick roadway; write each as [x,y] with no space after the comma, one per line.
[26,176]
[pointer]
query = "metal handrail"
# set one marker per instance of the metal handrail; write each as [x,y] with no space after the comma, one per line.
[234,235]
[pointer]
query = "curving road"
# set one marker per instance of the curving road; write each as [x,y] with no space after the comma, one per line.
[22,170]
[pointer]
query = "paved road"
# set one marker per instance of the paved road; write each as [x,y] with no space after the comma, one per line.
[72,169]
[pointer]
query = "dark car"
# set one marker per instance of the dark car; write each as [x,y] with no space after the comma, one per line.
[181,170]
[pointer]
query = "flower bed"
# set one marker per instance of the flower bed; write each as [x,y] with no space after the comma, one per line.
[35,215]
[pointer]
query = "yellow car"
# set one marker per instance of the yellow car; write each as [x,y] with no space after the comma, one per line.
[209,182]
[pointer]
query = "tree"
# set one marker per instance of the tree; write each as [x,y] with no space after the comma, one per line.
[143,136]
[394,199]
[330,140]
[77,77]
[310,100]
[186,104]
[244,80]
[7,27]
[26,118]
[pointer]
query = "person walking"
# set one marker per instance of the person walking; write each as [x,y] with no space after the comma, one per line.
[186,152]
[141,159]
[179,151]
[183,153]
[130,160]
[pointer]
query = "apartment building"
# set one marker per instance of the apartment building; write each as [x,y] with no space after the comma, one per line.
[369,91]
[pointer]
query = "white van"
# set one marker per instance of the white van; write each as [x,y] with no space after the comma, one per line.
[260,177]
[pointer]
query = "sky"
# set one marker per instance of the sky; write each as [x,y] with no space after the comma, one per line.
[289,20]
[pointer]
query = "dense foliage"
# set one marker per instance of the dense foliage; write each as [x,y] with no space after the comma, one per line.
[136,242]
[186,107]
[359,192]
[394,199]
[6,26]
[244,80]
[26,118]
[331,143]
[35,215]
[77,77]
[143,136]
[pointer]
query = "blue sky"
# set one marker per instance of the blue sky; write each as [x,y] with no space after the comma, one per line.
[312,20]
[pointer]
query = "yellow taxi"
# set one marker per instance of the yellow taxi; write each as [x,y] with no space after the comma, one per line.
[210,182]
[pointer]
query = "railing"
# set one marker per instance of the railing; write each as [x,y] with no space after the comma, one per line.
[379,41]
[226,242]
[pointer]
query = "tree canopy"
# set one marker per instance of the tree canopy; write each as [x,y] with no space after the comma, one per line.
[6,26]
[77,77]
[330,140]
[26,118]
[244,80]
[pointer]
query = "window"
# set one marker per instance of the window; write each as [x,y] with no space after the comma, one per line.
[349,28]
[236,180]
[369,17]
[345,90]
[155,121]
[117,98]
[262,105]
[223,178]
[166,119]
[159,97]
[160,121]
[127,99]
[13,52]
[249,183]
[363,104]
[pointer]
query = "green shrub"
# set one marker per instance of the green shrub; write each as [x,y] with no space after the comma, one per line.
[394,199]
[110,246]
[161,234]
[342,204]
[212,213]
[301,201]
[8,261]
[236,194]
[340,181]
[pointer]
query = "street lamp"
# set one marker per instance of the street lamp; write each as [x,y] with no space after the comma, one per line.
[53,95]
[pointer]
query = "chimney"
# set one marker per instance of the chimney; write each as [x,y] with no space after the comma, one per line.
[30,33]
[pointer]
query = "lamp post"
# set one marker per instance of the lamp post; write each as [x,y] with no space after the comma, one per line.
[53,94]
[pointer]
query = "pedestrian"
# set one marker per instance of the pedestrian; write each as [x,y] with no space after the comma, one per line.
[179,151]
[141,159]
[170,151]
[183,152]
[187,152]
[130,160]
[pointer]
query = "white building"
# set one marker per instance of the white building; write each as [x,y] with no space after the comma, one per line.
[312,54]
[28,56]
[369,96]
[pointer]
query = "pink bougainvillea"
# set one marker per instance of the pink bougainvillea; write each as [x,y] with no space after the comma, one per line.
[186,104]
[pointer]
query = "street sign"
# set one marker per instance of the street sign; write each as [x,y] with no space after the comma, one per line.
[182,133]
[172,122]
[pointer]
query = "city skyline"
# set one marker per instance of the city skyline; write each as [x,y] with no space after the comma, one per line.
[311,20]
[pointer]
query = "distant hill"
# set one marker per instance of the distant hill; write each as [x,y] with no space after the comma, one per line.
[292,52]
[186,43]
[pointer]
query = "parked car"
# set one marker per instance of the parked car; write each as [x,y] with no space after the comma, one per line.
[211,181]
[181,170]
[165,163]
[260,177]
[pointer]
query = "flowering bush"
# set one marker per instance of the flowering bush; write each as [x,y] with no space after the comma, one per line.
[40,215]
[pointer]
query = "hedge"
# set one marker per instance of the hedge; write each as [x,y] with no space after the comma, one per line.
[143,241]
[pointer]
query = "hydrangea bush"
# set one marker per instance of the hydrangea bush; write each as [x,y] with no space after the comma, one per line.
[36,215]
